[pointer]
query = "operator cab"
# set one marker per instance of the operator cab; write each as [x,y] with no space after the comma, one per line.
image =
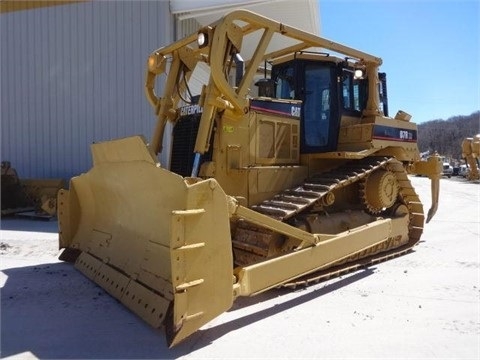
[329,88]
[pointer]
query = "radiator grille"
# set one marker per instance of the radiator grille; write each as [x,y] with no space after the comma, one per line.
[184,136]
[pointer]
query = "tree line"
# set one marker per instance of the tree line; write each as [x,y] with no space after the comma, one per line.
[446,136]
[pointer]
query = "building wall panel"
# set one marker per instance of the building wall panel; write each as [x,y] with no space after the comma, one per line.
[72,75]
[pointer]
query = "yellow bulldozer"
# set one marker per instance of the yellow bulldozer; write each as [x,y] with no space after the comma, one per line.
[306,179]
[471,154]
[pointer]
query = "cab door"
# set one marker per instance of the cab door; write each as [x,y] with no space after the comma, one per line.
[315,83]
[320,120]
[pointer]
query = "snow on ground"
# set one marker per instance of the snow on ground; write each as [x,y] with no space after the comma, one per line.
[423,305]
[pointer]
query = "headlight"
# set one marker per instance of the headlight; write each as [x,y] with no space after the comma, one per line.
[204,36]
[358,74]
[202,39]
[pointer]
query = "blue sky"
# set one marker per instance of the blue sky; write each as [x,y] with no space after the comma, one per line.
[430,50]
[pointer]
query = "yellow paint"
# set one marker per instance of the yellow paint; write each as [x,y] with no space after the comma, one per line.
[20,5]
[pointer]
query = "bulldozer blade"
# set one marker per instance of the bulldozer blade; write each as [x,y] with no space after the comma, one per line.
[156,241]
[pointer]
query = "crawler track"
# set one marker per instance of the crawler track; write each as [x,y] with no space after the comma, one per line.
[251,244]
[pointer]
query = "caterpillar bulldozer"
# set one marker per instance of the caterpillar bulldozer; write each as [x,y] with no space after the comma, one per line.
[303,181]
[471,154]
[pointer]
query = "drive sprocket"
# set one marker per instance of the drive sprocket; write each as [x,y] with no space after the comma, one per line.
[379,190]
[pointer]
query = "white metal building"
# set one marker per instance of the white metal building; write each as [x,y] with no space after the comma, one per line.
[72,72]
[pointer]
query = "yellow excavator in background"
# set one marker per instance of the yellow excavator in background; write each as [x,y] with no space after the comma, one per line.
[307,180]
[471,154]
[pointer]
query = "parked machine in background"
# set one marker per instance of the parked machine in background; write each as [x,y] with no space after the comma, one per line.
[447,169]
[28,197]
[471,154]
[303,182]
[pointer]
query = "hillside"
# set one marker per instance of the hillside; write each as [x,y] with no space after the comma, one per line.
[445,136]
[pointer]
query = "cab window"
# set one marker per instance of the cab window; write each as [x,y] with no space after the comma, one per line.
[353,93]
[285,83]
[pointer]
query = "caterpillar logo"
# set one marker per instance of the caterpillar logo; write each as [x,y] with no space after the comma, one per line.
[191,110]
[278,108]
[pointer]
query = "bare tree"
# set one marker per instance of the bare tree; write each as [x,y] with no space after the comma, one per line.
[445,136]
